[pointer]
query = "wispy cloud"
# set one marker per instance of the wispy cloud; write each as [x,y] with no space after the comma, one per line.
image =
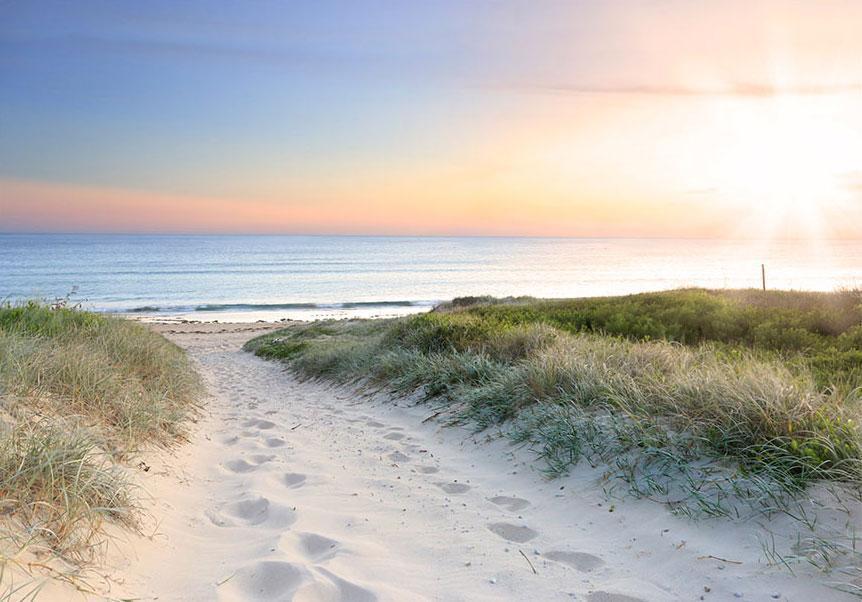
[750,90]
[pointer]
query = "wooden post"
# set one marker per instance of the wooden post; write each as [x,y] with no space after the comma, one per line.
[763,275]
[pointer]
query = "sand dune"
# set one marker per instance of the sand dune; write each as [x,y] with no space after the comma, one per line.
[298,491]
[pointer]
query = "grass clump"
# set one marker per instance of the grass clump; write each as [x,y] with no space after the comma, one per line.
[715,403]
[717,365]
[79,394]
[59,487]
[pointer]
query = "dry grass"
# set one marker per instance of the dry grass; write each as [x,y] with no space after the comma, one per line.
[79,395]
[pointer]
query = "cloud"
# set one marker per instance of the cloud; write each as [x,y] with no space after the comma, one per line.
[744,90]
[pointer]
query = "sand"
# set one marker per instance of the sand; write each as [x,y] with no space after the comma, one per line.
[301,491]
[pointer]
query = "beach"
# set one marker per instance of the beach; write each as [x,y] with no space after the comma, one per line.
[305,491]
[446,301]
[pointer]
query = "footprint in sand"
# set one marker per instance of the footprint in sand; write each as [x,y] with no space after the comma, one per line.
[217,519]
[601,596]
[577,560]
[394,436]
[453,487]
[397,456]
[239,466]
[293,479]
[513,504]
[259,423]
[510,532]
[317,548]
[275,442]
[264,580]
[374,424]
[261,458]
[252,512]
[427,469]
[345,590]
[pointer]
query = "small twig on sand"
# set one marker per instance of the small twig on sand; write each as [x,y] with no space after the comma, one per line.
[295,426]
[226,579]
[432,416]
[710,556]
[535,572]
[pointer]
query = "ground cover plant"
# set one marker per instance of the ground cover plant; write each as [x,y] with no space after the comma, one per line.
[80,393]
[715,403]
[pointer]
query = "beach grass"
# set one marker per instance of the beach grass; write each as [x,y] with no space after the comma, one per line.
[81,394]
[712,402]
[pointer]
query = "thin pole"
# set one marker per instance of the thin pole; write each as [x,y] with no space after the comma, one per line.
[763,275]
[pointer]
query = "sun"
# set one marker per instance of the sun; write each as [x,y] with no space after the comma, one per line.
[786,163]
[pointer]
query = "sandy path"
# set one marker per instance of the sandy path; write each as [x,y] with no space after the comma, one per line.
[299,491]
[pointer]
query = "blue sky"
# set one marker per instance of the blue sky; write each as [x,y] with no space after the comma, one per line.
[211,84]
[422,116]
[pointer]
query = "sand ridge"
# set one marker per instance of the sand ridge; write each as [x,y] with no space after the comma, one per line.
[301,491]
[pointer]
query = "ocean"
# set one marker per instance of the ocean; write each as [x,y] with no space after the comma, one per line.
[248,278]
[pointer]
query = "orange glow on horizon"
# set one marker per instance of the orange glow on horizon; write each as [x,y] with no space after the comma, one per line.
[63,208]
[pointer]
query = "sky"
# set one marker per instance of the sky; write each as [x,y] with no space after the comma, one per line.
[646,118]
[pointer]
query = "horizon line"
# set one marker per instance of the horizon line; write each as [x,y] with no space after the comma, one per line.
[407,235]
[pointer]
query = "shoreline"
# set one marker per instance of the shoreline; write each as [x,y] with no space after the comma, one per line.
[268,316]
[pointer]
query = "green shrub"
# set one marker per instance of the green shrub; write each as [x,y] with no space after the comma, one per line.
[434,332]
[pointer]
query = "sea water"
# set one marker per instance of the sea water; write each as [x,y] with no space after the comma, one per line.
[250,278]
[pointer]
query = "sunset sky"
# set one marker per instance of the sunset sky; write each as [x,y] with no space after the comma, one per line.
[726,118]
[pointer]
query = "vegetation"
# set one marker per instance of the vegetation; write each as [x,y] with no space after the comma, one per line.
[824,328]
[79,394]
[712,402]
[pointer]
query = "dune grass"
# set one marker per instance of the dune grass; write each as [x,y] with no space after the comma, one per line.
[80,393]
[712,402]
